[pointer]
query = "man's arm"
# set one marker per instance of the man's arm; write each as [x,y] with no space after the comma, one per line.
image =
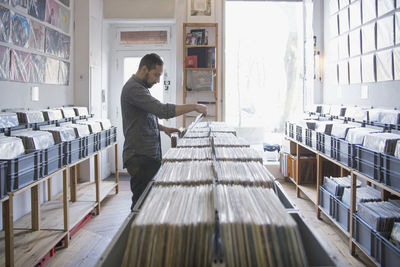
[168,130]
[183,109]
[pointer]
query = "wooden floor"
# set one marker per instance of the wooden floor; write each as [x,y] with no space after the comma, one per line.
[87,245]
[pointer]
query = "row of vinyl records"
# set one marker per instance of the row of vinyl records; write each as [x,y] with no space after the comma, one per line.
[197,207]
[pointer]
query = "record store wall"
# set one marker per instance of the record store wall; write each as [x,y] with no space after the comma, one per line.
[362,39]
[35,50]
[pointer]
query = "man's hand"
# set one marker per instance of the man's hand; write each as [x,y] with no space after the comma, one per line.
[201,109]
[168,131]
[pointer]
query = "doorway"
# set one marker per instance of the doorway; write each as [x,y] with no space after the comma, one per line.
[126,64]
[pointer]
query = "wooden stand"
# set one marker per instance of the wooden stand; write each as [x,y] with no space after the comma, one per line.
[30,238]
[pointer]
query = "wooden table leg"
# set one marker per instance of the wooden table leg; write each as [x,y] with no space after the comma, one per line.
[97,180]
[74,179]
[66,205]
[116,168]
[8,226]
[35,205]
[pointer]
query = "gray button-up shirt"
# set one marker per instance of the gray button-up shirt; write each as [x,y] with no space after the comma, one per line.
[139,119]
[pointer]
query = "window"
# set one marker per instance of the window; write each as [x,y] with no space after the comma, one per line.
[143,37]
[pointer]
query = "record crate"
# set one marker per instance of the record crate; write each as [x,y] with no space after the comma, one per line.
[366,237]
[370,170]
[3,179]
[343,151]
[113,135]
[53,158]
[324,144]
[390,171]
[326,201]
[73,150]
[387,253]
[341,213]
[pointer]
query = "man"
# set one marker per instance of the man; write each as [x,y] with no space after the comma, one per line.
[142,146]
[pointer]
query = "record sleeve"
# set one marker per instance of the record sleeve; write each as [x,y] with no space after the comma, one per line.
[20,30]
[64,19]
[51,70]
[4,63]
[19,4]
[37,71]
[53,42]
[5,22]
[36,39]
[52,8]
[37,9]
[63,74]
[20,66]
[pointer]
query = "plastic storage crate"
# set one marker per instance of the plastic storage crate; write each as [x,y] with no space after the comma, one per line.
[300,134]
[341,213]
[365,237]
[3,178]
[103,139]
[387,254]
[73,150]
[53,158]
[324,144]
[343,151]
[326,201]
[372,171]
[291,130]
[113,135]
[367,155]
[391,178]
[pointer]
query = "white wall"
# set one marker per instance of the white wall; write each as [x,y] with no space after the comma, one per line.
[381,94]
[139,9]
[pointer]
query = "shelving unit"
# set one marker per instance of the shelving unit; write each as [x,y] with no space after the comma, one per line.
[313,193]
[29,239]
[195,95]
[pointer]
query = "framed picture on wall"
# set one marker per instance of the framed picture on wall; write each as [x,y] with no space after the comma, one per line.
[201,10]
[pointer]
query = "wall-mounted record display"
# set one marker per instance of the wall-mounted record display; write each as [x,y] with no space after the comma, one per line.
[384,66]
[36,39]
[64,19]
[65,2]
[52,8]
[396,61]
[4,63]
[63,73]
[51,70]
[19,68]
[38,64]
[19,4]
[20,30]
[37,9]
[5,22]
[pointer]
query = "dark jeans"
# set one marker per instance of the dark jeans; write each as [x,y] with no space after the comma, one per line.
[142,170]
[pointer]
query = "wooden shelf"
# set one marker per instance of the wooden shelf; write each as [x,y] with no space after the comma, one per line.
[87,191]
[379,184]
[334,222]
[191,46]
[365,253]
[31,246]
[51,215]
[200,91]
[310,190]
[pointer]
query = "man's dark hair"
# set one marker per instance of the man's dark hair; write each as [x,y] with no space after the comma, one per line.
[150,61]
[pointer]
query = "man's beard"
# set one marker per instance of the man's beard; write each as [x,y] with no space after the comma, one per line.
[148,85]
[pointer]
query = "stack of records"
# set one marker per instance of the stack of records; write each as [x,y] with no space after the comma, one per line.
[230,142]
[196,134]
[339,130]
[395,235]
[174,228]
[324,126]
[379,215]
[397,150]
[381,142]
[245,173]
[105,123]
[363,194]
[194,142]
[222,129]
[11,147]
[223,135]
[80,129]
[52,114]
[94,126]
[199,130]
[34,140]
[81,111]
[30,116]
[358,114]
[237,154]
[356,135]
[338,111]
[385,116]
[185,173]
[336,185]
[8,120]
[202,124]
[188,153]
[68,112]
[255,228]
[60,134]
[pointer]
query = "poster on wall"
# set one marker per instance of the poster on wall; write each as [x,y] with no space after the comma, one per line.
[5,21]
[385,6]
[64,19]
[19,4]
[63,73]
[19,69]
[52,42]
[20,30]
[37,8]
[368,69]
[384,66]
[38,64]
[65,2]
[52,8]
[385,32]
[36,39]
[65,46]
[396,61]
[51,70]
[4,63]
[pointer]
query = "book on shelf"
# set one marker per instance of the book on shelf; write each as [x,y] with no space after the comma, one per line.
[205,56]
[200,36]
[191,62]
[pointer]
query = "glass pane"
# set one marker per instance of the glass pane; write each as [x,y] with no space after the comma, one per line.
[143,37]
[263,63]
[131,64]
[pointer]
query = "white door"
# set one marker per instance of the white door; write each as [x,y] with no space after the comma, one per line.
[126,64]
